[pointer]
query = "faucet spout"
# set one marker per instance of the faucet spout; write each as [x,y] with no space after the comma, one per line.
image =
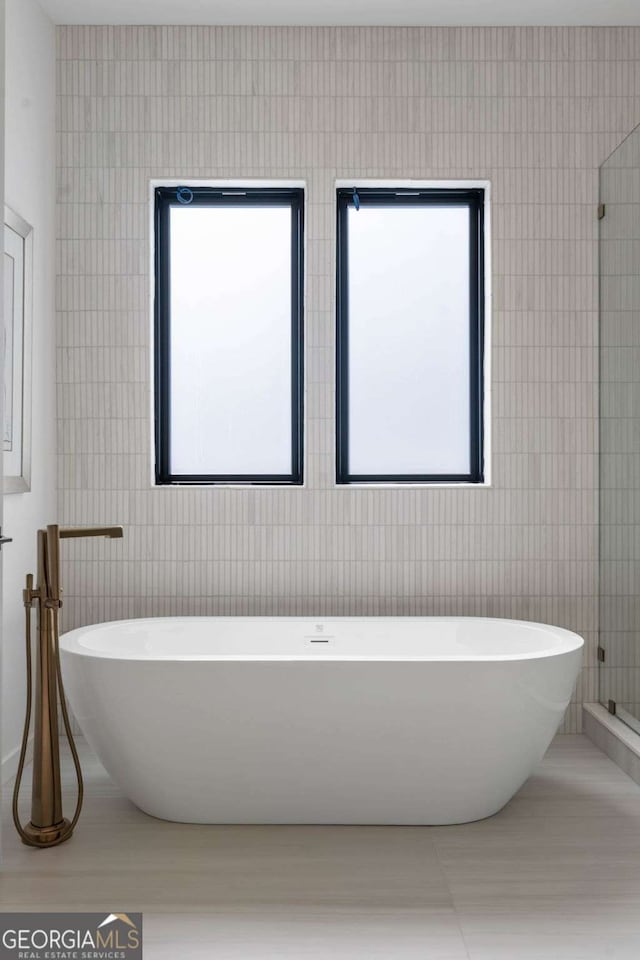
[68,533]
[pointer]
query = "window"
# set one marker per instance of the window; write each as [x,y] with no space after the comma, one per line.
[228,335]
[410,336]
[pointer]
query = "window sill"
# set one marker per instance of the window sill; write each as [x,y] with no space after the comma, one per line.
[228,486]
[413,486]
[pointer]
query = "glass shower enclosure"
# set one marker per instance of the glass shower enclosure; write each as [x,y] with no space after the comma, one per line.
[619,420]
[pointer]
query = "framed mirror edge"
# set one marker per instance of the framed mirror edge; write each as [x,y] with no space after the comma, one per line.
[21,482]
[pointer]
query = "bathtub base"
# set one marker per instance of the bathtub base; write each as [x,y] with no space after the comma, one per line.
[385,820]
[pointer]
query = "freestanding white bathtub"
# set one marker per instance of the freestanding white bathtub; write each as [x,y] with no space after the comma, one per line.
[379,720]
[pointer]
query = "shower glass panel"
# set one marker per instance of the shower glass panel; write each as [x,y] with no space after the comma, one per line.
[619,653]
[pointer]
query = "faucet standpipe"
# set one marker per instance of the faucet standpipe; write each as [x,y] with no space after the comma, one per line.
[48,827]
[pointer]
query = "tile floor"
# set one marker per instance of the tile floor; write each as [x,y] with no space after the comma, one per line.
[556,874]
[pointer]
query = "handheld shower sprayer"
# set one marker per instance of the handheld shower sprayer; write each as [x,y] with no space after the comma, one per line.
[48,827]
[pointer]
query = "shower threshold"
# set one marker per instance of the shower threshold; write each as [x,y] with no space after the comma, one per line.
[615,736]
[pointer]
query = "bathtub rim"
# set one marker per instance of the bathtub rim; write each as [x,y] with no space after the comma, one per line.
[567,642]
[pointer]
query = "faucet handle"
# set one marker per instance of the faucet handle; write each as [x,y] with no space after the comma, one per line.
[29,595]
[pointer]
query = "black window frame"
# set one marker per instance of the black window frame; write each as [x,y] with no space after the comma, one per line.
[165,198]
[474,199]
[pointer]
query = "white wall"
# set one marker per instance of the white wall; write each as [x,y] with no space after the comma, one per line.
[30,191]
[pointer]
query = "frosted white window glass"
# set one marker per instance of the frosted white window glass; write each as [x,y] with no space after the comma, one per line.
[230,344]
[409,341]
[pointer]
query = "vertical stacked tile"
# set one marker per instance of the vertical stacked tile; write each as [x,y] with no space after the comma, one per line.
[535,111]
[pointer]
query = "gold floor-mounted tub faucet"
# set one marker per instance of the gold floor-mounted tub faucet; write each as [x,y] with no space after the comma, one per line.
[48,827]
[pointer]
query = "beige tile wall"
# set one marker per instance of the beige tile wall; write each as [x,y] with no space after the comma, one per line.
[533,110]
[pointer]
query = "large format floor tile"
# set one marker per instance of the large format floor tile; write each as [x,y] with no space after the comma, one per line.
[555,875]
